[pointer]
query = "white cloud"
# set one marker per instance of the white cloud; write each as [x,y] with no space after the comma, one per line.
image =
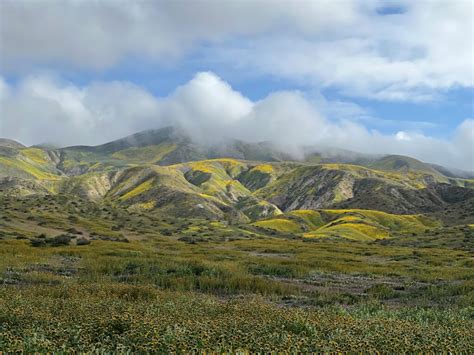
[205,105]
[402,136]
[464,143]
[413,55]
[42,109]
[98,34]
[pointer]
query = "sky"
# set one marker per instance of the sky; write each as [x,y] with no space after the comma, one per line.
[385,77]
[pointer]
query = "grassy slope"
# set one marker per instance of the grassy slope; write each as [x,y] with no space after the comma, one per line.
[350,224]
[334,178]
[220,181]
[410,179]
[400,163]
[183,284]
[250,188]
[217,186]
[148,155]
[32,163]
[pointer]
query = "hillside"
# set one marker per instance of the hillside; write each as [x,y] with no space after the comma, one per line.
[168,146]
[402,163]
[351,224]
[9,143]
[163,170]
[350,186]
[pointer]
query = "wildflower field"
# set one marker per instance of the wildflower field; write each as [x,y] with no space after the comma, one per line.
[174,285]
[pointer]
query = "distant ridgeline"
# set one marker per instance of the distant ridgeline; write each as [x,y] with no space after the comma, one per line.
[325,193]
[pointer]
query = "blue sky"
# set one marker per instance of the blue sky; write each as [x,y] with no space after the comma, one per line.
[394,76]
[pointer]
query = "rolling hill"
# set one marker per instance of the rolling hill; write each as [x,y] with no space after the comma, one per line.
[165,172]
[351,224]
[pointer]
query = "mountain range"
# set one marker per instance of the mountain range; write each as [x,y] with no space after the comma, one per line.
[164,172]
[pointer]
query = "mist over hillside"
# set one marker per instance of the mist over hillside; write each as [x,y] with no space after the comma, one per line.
[220,147]
[210,111]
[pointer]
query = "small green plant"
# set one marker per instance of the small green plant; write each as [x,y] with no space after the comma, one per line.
[63,239]
[381,291]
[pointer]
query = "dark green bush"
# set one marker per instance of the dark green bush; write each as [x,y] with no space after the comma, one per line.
[38,243]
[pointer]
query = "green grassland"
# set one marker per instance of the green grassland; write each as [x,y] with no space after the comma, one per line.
[150,282]
[350,224]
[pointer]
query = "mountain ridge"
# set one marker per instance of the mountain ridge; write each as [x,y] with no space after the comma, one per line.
[185,149]
[265,151]
[10,143]
[165,171]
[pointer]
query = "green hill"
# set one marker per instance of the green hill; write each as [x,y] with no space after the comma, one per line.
[163,171]
[28,163]
[350,224]
[405,164]
[9,143]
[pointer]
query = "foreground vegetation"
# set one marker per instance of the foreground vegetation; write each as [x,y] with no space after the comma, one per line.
[117,317]
[247,295]
[79,276]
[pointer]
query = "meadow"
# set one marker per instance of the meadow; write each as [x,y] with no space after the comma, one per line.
[146,282]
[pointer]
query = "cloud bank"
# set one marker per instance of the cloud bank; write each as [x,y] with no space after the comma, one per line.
[45,109]
[386,50]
